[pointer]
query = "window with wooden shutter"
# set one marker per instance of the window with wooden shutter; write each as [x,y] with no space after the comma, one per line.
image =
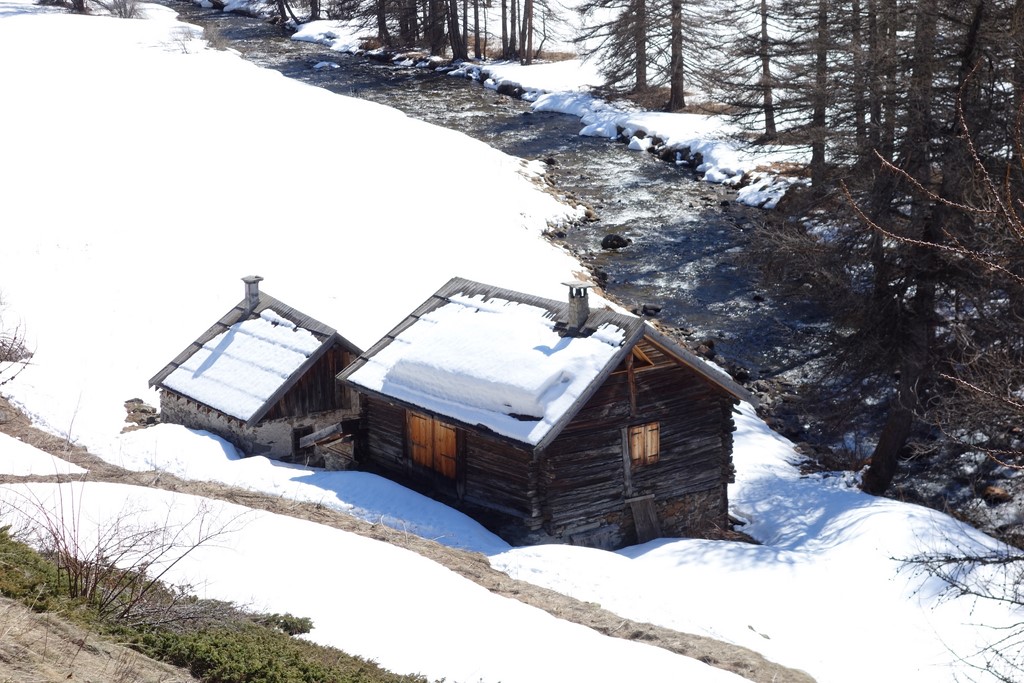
[644,444]
[432,443]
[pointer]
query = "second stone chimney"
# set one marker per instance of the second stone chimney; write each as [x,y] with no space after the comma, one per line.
[579,307]
[252,291]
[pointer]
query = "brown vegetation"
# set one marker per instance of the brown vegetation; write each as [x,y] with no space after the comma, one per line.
[45,648]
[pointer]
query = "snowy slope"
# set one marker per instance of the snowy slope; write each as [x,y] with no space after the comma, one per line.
[142,175]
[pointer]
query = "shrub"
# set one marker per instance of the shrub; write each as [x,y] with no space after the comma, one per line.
[252,653]
[14,354]
[288,623]
[24,575]
[122,9]
[118,567]
[214,640]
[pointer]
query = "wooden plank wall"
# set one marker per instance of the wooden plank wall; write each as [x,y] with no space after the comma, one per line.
[583,470]
[495,475]
[579,481]
[384,443]
[501,477]
[582,476]
[318,390]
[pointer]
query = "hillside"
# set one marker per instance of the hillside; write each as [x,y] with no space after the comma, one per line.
[133,227]
[45,648]
[27,661]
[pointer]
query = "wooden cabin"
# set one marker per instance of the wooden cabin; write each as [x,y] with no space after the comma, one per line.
[546,420]
[263,378]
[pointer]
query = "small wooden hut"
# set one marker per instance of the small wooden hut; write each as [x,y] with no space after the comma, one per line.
[546,420]
[263,377]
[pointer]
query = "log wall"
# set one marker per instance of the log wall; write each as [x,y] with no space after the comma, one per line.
[317,390]
[492,474]
[577,489]
[585,478]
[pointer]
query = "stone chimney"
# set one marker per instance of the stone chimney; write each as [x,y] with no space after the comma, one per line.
[579,307]
[252,291]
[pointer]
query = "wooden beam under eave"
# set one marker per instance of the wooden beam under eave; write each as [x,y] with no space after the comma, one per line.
[631,375]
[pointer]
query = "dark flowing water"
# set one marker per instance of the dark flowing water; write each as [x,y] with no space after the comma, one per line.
[687,236]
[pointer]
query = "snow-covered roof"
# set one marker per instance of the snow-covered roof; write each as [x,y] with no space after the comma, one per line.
[237,371]
[248,360]
[489,357]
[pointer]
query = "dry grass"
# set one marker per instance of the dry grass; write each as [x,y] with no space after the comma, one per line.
[43,648]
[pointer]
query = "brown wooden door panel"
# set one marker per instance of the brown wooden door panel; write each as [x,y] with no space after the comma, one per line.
[445,449]
[420,438]
[432,444]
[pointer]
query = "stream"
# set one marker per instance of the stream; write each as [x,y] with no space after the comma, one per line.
[690,239]
[688,236]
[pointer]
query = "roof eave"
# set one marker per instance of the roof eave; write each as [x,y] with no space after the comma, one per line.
[526,445]
[633,331]
[286,386]
[715,377]
[242,311]
[569,415]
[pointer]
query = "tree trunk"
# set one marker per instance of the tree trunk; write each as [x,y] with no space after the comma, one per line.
[526,33]
[458,45]
[859,89]
[476,29]
[504,29]
[529,36]
[902,408]
[926,226]
[435,26]
[764,53]
[881,64]
[640,43]
[382,23]
[513,49]
[408,24]
[677,95]
[1017,54]
[820,98]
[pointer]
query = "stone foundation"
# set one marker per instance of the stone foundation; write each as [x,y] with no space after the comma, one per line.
[276,439]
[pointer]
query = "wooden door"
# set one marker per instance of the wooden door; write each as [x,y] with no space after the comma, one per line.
[645,518]
[432,444]
[445,449]
[420,437]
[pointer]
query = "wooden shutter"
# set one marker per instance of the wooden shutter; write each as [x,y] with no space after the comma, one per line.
[644,443]
[636,444]
[652,442]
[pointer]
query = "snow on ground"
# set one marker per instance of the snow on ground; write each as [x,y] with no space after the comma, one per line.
[130,214]
[829,571]
[369,597]
[20,459]
[147,204]
[564,87]
[205,457]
